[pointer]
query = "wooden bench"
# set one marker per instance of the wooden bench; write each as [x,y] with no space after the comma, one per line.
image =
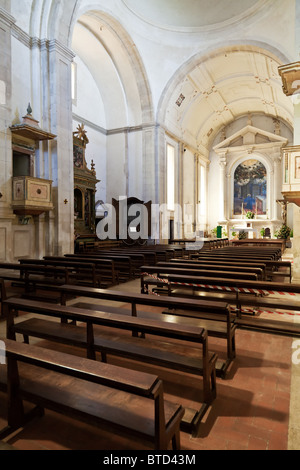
[163,277]
[111,339]
[122,263]
[193,267]
[280,243]
[253,294]
[258,251]
[137,260]
[29,275]
[273,268]
[103,268]
[270,269]
[214,316]
[113,398]
[78,272]
[235,256]
[230,264]
[219,325]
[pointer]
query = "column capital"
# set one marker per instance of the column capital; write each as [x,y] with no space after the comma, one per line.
[56,46]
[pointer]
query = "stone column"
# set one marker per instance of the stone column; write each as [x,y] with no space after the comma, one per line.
[6,213]
[277,193]
[61,159]
[196,193]
[222,189]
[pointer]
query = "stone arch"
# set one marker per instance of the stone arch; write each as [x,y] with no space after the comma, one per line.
[53,20]
[181,75]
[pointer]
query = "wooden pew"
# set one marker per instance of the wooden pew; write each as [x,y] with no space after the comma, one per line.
[122,263]
[161,352]
[105,268]
[273,253]
[215,317]
[78,272]
[193,267]
[166,271]
[137,260]
[220,325]
[244,256]
[272,266]
[29,275]
[231,264]
[264,242]
[246,294]
[114,398]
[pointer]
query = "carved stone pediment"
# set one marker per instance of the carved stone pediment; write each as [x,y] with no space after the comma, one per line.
[249,137]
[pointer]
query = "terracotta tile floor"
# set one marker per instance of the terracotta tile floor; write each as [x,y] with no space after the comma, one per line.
[251,411]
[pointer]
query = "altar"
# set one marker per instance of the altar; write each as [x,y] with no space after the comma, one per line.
[251,227]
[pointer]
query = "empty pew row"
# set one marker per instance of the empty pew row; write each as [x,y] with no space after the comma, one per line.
[273,253]
[245,296]
[258,271]
[151,341]
[216,317]
[269,269]
[104,270]
[114,398]
[274,267]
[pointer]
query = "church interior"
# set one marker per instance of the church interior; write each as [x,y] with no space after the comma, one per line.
[149,199]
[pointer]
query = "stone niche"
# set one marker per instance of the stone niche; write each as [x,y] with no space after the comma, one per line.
[242,156]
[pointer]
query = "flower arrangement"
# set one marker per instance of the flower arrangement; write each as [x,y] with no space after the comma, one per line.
[250,215]
[242,235]
[283,232]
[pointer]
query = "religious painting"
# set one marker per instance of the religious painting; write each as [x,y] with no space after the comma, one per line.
[250,188]
[78,156]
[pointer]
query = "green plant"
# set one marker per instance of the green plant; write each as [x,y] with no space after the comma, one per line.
[283,232]
[250,215]
[214,231]
[262,231]
[242,235]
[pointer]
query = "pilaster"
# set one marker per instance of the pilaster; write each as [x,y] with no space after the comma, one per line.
[6,213]
[60,106]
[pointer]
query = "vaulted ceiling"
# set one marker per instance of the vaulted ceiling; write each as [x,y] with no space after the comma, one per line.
[205,95]
[222,87]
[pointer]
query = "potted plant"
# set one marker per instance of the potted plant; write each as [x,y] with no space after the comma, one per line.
[262,231]
[284,232]
[242,235]
[250,215]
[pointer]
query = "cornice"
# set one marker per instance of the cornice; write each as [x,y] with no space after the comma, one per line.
[42,44]
[6,18]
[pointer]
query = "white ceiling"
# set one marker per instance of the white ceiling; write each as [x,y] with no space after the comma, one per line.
[212,91]
[190,13]
[222,88]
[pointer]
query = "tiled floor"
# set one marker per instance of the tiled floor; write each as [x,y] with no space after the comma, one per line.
[251,411]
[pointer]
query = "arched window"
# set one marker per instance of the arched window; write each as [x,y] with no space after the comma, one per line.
[250,188]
